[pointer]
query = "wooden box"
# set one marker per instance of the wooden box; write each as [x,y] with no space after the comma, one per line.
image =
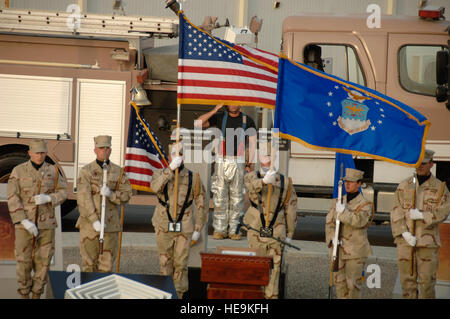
[235,276]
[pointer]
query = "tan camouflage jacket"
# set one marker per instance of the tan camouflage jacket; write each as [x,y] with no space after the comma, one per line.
[433,201]
[23,186]
[284,225]
[188,223]
[89,200]
[354,222]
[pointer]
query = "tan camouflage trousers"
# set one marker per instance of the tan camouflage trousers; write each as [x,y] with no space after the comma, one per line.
[37,261]
[348,278]
[424,275]
[92,261]
[270,248]
[173,251]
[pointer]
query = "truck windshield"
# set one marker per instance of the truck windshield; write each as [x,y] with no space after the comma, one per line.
[341,60]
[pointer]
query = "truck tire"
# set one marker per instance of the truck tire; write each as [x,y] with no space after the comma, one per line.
[10,160]
[68,206]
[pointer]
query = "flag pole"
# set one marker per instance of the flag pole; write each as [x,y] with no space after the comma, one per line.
[177,140]
[120,238]
[272,157]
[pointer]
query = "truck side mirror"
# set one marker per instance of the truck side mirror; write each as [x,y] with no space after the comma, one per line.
[442,77]
[442,67]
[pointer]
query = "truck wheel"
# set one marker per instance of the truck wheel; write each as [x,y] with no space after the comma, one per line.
[8,162]
[68,206]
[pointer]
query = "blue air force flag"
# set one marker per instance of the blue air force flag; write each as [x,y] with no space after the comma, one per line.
[325,112]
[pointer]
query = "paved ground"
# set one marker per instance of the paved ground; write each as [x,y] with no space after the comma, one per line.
[306,271]
[309,228]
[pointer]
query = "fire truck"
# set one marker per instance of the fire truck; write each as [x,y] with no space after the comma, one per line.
[398,58]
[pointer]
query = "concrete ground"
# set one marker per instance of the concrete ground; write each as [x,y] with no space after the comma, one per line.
[307,271]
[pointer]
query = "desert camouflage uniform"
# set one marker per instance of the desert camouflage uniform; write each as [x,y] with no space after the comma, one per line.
[284,225]
[174,247]
[354,248]
[22,187]
[434,201]
[89,201]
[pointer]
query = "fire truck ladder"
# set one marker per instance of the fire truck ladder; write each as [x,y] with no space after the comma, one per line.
[51,23]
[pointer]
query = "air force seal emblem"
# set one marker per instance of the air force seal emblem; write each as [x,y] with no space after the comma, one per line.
[354,113]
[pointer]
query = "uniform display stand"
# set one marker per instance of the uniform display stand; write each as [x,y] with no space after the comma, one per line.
[235,276]
[59,281]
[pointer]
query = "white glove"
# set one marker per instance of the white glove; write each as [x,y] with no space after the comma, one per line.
[269,178]
[410,239]
[42,199]
[339,207]
[105,191]
[415,214]
[288,240]
[97,226]
[332,242]
[195,236]
[176,162]
[30,227]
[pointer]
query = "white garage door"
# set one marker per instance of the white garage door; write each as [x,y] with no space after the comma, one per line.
[100,111]
[35,106]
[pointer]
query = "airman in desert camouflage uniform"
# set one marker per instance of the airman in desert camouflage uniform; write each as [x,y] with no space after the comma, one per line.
[174,235]
[433,207]
[89,198]
[355,216]
[282,218]
[35,188]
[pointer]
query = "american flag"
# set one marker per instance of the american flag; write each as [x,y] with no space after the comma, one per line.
[212,71]
[144,152]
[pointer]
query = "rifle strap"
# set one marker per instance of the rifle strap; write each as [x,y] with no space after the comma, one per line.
[197,185]
[56,178]
[288,194]
[280,204]
[186,204]
[441,192]
[120,178]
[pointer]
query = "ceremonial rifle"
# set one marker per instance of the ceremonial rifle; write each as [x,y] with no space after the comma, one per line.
[413,228]
[36,216]
[336,241]
[103,213]
[248,227]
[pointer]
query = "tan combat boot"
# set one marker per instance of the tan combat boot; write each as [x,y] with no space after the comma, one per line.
[26,296]
[36,296]
[236,236]
[219,235]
